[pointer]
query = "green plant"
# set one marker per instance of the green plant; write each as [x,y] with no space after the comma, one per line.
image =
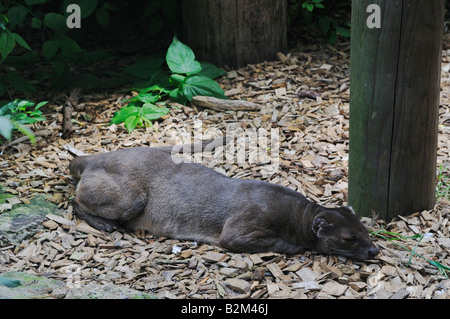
[17,114]
[186,79]
[443,183]
[315,15]
[133,116]
[310,5]
[9,39]
[57,46]
[395,237]
[23,112]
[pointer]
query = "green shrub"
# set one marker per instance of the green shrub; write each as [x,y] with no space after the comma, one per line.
[17,114]
[186,78]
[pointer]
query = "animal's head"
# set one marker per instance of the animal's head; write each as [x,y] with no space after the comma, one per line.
[340,232]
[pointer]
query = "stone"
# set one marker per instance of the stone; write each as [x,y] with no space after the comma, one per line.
[24,220]
[107,291]
[31,287]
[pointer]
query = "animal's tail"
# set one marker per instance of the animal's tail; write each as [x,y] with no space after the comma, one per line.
[203,146]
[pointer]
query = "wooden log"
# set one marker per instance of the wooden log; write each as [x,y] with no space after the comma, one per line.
[395,84]
[224,105]
[235,32]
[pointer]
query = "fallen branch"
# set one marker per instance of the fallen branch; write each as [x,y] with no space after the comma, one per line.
[224,105]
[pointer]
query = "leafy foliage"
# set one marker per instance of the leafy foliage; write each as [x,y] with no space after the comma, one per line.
[35,31]
[133,116]
[395,237]
[315,15]
[443,183]
[15,115]
[186,79]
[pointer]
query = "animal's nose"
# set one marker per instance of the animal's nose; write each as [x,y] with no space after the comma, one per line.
[373,251]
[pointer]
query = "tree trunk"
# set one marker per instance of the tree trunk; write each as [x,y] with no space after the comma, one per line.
[235,32]
[395,84]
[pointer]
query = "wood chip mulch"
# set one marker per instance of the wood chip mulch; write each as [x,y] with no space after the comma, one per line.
[304,96]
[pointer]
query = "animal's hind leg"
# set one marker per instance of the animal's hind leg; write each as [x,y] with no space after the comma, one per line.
[97,222]
[106,201]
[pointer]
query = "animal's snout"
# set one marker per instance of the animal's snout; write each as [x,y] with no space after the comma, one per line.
[373,251]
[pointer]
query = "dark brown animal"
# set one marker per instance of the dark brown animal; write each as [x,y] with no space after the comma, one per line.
[143,188]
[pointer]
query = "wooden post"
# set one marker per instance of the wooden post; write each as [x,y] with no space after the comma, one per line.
[235,32]
[395,84]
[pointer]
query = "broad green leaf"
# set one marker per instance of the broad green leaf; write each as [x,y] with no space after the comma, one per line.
[161,79]
[145,67]
[40,104]
[210,70]
[16,15]
[6,127]
[332,38]
[146,97]
[181,59]
[55,21]
[19,83]
[324,24]
[177,79]
[177,96]
[20,41]
[151,112]
[102,17]
[131,122]
[50,48]
[67,44]
[9,108]
[125,112]
[201,85]
[24,104]
[7,43]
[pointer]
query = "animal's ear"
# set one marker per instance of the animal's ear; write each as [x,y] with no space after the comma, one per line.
[320,226]
[347,209]
[350,208]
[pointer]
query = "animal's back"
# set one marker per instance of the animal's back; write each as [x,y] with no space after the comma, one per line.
[188,201]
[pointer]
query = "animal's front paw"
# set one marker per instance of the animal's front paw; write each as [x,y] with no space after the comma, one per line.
[104,225]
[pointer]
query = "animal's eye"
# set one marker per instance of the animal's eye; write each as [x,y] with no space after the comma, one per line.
[349,238]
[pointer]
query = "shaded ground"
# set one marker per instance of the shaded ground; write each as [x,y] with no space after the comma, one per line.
[304,99]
